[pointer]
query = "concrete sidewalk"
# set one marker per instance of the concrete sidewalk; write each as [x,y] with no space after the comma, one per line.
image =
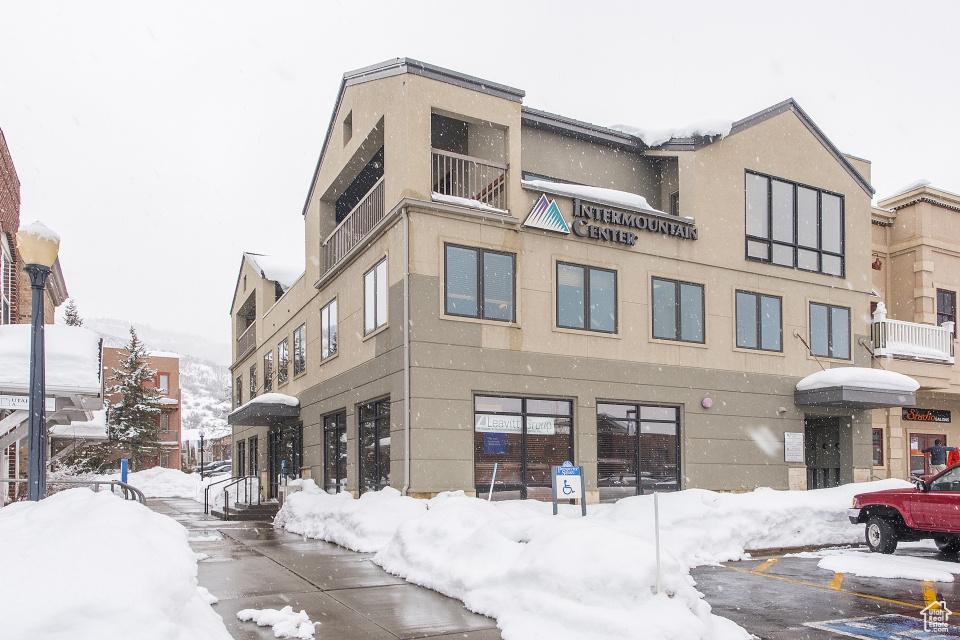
[251,565]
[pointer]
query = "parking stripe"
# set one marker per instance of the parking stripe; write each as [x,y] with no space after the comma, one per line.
[837,581]
[766,565]
[820,586]
[929,593]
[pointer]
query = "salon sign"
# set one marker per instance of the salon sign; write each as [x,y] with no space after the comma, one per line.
[925,415]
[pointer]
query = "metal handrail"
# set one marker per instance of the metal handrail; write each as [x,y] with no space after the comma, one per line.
[246,492]
[130,492]
[206,493]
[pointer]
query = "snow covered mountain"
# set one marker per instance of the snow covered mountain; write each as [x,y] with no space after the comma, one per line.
[204,384]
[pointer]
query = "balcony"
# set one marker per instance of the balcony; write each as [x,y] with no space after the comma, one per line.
[910,340]
[468,178]
[169,437]
[247,340]
[355,226]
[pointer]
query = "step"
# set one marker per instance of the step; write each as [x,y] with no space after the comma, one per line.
[243,511]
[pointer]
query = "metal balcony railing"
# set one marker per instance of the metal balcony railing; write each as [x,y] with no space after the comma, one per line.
[469,178]
[247,340]
[911,340]
[354,227]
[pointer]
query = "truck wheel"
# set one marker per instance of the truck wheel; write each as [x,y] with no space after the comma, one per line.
[881,535]
[948,544]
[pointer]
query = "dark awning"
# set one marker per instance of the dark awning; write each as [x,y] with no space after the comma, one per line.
[265,411]
[854,398]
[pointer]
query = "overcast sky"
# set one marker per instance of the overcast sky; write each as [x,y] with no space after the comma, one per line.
[161,140]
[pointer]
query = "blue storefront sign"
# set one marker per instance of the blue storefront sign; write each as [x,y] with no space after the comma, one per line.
[495,444]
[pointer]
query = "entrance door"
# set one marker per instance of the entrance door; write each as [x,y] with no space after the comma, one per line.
[273,462]
[822,436]
[919,461]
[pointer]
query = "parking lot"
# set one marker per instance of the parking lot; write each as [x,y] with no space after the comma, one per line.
[782,596]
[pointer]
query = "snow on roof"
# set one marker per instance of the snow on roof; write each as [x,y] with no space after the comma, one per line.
[860,377]
[163,354]
[656,137]
[283,271]
[72,359]
[274,398]
[94,429]
[600,195]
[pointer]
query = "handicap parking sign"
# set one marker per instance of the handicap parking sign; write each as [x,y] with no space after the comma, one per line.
[568,485]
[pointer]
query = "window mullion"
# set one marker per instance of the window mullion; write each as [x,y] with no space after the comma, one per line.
[481,285]
[586,297]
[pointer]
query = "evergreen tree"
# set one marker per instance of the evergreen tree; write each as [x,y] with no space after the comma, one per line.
[71,316]
[132,420]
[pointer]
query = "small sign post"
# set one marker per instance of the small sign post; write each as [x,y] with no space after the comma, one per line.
[568,485]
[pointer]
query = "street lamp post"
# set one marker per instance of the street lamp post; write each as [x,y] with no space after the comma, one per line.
[38,247]
[201,455]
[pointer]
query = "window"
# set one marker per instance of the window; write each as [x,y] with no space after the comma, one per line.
[335,452]
[946,307]
[374,445]
[638,450]
[163,383]
[675,203]
[586,298]
[878,447]
[829,331]
[268,372]
[253,447]
[375,297]
[6,288]
[347,128]
[328,330]
[677,310]
[524,437]
[282,359]
[758,321]
[164,422]
[792,225]
[253,380]
[300,350]
[241,459]
[239,390]
[479,283]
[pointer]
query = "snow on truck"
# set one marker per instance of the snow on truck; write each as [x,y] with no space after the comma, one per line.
[930,509]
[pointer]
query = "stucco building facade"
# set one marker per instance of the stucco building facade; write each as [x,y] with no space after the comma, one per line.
[489,285]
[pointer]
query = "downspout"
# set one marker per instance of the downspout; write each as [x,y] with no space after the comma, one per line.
[406,350]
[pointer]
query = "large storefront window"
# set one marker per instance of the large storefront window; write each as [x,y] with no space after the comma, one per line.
[524,437]
[374,445]
[638,450]
[335,452]
[285,455]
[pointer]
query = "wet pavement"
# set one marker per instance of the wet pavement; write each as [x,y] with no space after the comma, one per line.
[251,565]
[783,597]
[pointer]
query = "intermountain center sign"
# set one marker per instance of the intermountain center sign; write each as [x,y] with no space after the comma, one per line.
[585,215]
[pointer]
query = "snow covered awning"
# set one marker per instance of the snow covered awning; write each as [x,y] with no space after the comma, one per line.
[266,410]
[94,429]
[73,362]
[856,388]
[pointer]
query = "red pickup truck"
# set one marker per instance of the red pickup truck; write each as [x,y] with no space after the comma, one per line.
[931,509]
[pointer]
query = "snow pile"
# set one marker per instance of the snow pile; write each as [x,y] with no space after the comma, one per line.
[600,195]
[366,524]
[860,377]
[541,575]
[72,359]
[285,623]
[125,572]
[875,565]
[160,482]
[705,527]
[656,137]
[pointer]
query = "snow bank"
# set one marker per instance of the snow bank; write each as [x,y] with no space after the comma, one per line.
[366,524]
[541,575]
[125,572]
[285,623]
[859,377]
[164,483]
[875,565]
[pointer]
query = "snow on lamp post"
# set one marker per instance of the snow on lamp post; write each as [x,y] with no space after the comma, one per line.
[38,247]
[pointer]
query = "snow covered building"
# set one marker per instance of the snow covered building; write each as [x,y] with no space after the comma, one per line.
[915,255]
[167,383]
[488,284]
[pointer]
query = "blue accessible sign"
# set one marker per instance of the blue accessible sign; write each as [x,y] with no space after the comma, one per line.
[568,485]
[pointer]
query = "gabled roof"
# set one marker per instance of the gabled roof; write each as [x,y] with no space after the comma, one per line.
[398,66]
[791,105]
[283,272]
